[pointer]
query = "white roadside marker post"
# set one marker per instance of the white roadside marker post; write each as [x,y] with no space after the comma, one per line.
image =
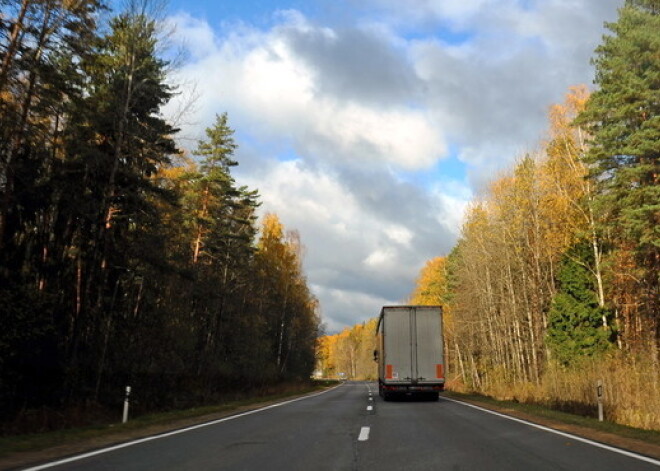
[126,401]
[599,392]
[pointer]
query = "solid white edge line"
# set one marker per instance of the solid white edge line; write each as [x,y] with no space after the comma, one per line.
[364,434]
[630,454]
[52,464]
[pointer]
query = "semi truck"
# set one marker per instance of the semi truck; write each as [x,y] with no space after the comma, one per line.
[410,352]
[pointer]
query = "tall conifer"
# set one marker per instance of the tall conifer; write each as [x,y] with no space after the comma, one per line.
[623,118]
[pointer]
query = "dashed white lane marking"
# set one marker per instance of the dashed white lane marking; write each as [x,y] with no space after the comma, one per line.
[364,434]
[563,434]
[370,407]
[174,432]
[371,398]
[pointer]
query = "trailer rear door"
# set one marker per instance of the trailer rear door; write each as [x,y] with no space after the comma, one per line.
[429,361]
[398,340]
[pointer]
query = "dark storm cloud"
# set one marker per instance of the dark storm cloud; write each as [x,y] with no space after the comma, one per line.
[358,64]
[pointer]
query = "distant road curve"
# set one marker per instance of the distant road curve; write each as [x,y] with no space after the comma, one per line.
[351,428]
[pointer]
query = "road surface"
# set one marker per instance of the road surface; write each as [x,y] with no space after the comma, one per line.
[352,428]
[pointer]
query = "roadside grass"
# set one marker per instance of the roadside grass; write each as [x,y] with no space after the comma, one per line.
[649,436]
[40,441]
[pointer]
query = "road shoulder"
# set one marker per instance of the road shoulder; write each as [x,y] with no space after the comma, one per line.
[631,444]
[20,460]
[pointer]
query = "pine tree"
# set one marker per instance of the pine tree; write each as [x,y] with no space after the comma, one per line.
[224,212]
[109,222]
[623,118]
[220,221]
[42,44]
[575,327]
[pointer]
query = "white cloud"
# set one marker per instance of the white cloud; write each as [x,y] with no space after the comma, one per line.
[353,104]
[451,212]
[274,89]
[199,36]
[350,249]
[492,92]
[399,234]
[380,259]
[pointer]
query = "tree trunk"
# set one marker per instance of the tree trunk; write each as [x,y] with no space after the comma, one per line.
[12,47]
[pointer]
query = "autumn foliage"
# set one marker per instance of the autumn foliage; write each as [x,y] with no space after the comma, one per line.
[539,306]
[350,353]
[553,284]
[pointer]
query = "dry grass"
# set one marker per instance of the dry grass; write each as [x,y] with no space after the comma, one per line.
[631,389]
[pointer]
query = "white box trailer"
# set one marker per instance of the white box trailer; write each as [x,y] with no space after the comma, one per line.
[410,351]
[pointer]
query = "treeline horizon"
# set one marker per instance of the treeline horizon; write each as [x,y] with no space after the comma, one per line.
[349,354]
[124,261]
[553,284]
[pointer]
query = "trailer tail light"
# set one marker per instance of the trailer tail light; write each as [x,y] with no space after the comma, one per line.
[439,371]
[389,372]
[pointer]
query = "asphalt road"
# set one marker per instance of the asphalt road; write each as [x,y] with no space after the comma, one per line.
[348,428]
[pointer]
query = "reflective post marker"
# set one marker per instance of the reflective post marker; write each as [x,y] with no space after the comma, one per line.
[126,400]
[599,392]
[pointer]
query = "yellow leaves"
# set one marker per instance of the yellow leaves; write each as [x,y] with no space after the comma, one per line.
[431,287]
[538,205]
[279,252]
[512,238]
[271,230]
[174,176]
[562,115]
[476,219]
[172,173]
[577,99]
[566,140]
[562,175]
[7,97]
[349,352]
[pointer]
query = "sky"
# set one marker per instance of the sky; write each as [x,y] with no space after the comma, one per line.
[369,125]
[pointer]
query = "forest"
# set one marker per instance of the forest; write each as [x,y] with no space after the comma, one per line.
[350,353]
[554,281]
[125,260]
